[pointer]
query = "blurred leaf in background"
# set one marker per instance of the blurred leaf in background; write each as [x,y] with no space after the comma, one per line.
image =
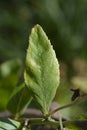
[19,100]
[10,72]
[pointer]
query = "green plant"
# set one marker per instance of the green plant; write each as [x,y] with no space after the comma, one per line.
[41,80]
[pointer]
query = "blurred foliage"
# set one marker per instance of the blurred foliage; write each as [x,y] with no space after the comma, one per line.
[65,23]
[10,72]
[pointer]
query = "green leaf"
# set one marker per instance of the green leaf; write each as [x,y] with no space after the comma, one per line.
[19,100]
[42,69]
[8,124]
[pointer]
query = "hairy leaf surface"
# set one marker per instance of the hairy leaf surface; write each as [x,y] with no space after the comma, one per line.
[42,69]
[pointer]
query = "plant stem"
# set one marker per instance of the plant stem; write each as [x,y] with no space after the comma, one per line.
[55,124]
[49,121]
[35,121]
[61,123]
[77,101]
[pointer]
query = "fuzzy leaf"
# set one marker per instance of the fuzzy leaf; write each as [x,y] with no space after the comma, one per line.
[42,69]
[19,100]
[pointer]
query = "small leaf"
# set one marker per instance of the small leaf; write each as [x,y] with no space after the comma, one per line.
[8,124]
[19,100]
[42,69]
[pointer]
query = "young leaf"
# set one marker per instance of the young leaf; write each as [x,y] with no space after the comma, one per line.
[19,100]
[8,124]
[42,69]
